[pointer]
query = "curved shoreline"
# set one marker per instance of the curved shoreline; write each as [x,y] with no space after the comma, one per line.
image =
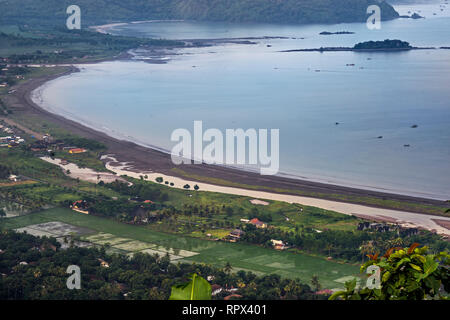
[37,99]
[144,159]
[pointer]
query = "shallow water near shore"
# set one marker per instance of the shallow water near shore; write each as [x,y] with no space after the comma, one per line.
[302,94]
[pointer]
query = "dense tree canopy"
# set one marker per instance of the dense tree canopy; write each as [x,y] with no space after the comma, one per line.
[53,12]
[35,268]
[4,172]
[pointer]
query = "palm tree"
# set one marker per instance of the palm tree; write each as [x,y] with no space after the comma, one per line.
[96,185]
[227,269]
[329,248]
[315,283]
[366,248]
[392,243]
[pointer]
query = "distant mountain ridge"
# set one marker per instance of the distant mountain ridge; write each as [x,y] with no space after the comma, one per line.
[53,12]
[414,1]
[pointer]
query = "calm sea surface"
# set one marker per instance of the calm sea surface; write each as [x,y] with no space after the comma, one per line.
[256,86]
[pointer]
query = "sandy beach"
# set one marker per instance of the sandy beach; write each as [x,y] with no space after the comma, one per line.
[104,27]
[85,174]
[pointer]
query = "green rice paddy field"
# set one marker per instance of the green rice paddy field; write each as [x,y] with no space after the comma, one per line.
[128,239]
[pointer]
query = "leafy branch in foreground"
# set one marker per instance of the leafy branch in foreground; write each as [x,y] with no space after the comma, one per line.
[406,274]
[196,289]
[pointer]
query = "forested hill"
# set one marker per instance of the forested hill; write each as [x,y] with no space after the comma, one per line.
[53,12]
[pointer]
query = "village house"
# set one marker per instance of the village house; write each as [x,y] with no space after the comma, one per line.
[237,234]
[80,206]
[14,178]
[257,223]
[278,244]
[39,146]
[103,263]
[77,150]
[140,215]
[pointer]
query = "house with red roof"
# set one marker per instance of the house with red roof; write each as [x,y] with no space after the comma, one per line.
[257,223]
[77,150]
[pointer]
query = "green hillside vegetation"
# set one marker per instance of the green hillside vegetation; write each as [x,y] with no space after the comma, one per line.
[26,44]
[53,12]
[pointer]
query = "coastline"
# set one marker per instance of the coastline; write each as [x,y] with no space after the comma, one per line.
[36,98]
[103,28]
[146,159]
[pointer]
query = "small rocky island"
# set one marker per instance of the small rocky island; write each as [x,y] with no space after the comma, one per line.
[415,15]
[327,33]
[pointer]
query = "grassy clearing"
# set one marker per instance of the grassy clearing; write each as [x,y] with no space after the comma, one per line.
[83,160]
[53,185]
[241,256]
[18,183]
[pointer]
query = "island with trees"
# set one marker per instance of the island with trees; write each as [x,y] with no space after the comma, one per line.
[372,46]
[383,45]
[327,33]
